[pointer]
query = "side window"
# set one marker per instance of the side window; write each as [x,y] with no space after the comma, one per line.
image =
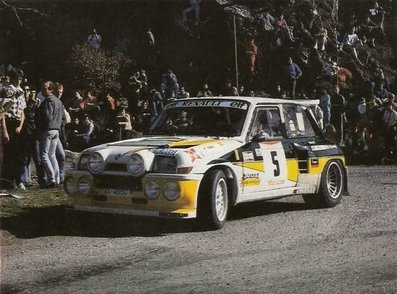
[267,122]
[297,123]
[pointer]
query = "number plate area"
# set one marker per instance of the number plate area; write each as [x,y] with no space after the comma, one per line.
[116,192]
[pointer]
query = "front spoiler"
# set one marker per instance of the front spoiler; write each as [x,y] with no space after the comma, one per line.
[135,212]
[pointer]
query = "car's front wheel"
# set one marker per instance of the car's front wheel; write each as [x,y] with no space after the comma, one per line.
[331,187]
[213,202]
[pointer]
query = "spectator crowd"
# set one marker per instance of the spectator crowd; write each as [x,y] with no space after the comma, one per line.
[38,123]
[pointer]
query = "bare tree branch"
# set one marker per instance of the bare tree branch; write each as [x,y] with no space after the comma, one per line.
[16,9]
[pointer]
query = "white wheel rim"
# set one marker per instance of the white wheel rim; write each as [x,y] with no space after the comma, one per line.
[221,200]
[334,180]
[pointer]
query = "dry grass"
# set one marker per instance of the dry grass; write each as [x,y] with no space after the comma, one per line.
[33,198]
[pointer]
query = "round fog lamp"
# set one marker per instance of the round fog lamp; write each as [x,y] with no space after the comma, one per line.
[69,185]
[171,191]
[152,190]
[83,186]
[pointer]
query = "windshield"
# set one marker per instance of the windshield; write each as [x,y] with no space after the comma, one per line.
[204,117]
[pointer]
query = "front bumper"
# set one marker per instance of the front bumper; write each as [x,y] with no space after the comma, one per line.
[131,199]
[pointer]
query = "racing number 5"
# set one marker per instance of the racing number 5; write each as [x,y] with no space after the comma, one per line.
[276,163]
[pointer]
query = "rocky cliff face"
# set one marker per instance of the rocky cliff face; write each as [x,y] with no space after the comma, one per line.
[196,53]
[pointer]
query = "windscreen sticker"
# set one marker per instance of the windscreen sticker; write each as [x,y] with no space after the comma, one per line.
[208,103]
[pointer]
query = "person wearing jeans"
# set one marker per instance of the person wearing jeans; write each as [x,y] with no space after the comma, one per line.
[48,122]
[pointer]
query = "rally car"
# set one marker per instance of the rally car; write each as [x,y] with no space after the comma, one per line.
[204,155]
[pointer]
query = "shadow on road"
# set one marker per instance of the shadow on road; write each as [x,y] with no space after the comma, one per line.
[61,221]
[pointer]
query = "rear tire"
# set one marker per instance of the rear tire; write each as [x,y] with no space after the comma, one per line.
[331,187]
[213,200]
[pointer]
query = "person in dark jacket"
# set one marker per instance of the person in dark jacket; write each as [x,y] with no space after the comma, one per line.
[293,73]
[48,122]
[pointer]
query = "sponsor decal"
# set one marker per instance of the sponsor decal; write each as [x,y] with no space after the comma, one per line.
[275,182]
[118,156]
[208,103]
[248,156]
[258,152]
[314,161]
[167,152]
[323,147]
[193,154]
[251,179]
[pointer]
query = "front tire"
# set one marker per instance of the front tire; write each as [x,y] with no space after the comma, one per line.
[331,186]
[214,201]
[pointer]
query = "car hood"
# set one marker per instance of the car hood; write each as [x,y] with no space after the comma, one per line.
[188,150]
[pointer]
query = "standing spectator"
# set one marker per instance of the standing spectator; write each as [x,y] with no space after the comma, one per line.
[194,6]
[204,91]
[73,129]
[77,104]
[344,76]
[110,109]
[132,92]
[379,77]
[4,107]
[86,131]
[48,122]
[155,104]
[368,31]
[351,42]
[377,14]
[62,142]
[283,31]
[320,39]
[94,40]
[150,42]
[124,124]
[149,46]
[252,53]
[293,73]
[169,83]
[382,94]
[29,140]
[14,120]
[389,119]
[227,89]
[91,103]
[338,110]
[325,105]
[182,93]
[279,92]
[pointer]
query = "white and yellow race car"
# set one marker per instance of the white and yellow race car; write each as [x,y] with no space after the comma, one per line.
[205,155]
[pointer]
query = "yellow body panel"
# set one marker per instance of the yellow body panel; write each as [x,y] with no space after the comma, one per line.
[185,203]
[292,170]
[322,161]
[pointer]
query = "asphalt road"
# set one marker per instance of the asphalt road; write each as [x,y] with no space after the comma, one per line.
[267,247]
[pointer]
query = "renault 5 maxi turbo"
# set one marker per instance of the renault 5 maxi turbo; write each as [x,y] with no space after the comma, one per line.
[205,155]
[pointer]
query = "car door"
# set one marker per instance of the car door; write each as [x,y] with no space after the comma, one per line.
[264,159]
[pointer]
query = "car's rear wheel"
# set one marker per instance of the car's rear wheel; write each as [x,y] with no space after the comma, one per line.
[331,187]
[213,200]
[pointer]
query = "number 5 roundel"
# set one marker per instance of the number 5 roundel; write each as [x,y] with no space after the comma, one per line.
[275,165]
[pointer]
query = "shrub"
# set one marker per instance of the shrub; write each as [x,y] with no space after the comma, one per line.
[96,70]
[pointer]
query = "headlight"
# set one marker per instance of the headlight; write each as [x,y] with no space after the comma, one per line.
[152,190]
[69,185]
[96,163]
[136,165]
[171,191]
[83,162]
[164,164]
[83,186]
